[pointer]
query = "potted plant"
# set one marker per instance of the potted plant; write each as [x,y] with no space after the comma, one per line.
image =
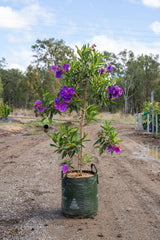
[84,79]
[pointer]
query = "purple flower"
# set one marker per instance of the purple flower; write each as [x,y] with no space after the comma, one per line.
[37,104]
[59,73]
[116,149]
[109,148]
[113,148]
[71,90]
[120,91]
[67,93]
[110,89]
[114,91]
[57,99]
[64,168]
[66,67]
[101,71]
[56,104]
[54,68]
[62,107]
[110,68]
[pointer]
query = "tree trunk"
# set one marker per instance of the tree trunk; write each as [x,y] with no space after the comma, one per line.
[125,104]
[82,124]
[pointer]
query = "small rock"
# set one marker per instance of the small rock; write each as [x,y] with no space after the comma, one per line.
[100,235]
[79,229]
[119,235]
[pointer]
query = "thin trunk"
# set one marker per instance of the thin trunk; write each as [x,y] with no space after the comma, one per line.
[82,125]
[125,104]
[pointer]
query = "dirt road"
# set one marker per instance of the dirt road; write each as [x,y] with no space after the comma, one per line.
[30,191]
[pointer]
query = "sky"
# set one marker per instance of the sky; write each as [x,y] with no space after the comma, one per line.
[112,25]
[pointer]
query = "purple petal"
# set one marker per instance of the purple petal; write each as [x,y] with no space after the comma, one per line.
[41,109]
[71,90]
[63,107]
[54,68]
[101,70]
[109,148]
[67,100]
[110,68]
[120,91]
[66,67]
[59,73]
[110,89]
[64,168]
[57,99]
[56,105]
[117,149]
[110,96]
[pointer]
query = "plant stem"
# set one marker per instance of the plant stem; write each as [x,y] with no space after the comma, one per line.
[82,124]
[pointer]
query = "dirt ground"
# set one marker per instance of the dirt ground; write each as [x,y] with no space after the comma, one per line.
[30,189]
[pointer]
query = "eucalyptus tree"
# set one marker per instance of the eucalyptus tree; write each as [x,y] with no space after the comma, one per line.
[3,63]
[124,66]
[51,51]
[46,53]
[10,79]
[30,87]
[150,72]
[1,89]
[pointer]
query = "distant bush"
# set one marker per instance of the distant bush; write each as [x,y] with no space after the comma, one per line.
[4,111]
[150,108]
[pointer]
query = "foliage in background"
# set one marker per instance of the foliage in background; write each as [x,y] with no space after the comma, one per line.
[4,110]
[150,108]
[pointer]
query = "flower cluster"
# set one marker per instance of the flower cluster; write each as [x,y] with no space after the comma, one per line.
[59,70]
[38,105]
[114,92]
[113,148]
[102,70]
[66,94]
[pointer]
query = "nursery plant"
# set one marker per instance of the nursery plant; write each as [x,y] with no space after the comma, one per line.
[150,108]
[86,79]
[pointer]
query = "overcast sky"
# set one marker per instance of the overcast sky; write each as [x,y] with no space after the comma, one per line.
[112,25]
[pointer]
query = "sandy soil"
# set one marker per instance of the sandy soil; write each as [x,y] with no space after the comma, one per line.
[30,190]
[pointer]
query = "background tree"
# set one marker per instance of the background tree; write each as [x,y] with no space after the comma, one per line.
[47,53]
[3,63]
[10,79]
[50,52]
[30,87]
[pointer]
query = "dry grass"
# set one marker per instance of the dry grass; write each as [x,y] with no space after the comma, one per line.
[23,112]
[119,117]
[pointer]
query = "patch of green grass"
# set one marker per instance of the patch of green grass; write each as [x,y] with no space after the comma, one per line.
[13,124]
[25,117]
[34,132]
